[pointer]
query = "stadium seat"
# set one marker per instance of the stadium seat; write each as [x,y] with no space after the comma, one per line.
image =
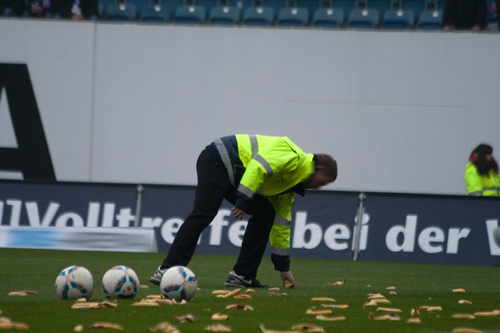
[155,14]
[121,12]
[440,5]
[381,6]
[224,15]
[398,19]
[258,16]
[430,20]
[345,5]
[293,17]
[190,15]
[416,6]
[363,19]
[328,18]
[102,5]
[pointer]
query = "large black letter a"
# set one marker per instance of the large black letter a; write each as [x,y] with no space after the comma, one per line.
[32,157]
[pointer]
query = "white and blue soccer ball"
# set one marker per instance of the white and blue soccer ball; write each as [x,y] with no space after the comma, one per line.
[179,283]
[74,282]
[120,282]
[496,236]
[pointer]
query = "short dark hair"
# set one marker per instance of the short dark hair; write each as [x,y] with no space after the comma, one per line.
[329,165]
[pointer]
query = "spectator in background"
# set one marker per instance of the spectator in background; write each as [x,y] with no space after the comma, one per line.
[40,8]
[76,9]
[12,8]
[492,15]
[465,15]
[481,174]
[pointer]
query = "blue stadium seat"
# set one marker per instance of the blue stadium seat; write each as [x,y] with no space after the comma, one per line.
[381,6]
[224,15]
[121,12]
[363,19]
[311,6]
[155,14]
[440,5]
[398,19]
[345,5]
[258,16]
[328,18]
[416,6]
[430,20]
[190,15]
[102,5]
[293,17]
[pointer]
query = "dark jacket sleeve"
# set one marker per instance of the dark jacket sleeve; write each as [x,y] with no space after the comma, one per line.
[281,263]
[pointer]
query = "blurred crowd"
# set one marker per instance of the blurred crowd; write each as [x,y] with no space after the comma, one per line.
[65,9]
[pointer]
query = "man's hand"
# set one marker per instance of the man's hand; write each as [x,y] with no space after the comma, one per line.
[476,28]
[237,213]
[287,276]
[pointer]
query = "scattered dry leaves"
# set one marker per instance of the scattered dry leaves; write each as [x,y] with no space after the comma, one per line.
[218,328]
[164,327]
[466,330]
[243,307]
[392,310]
[6,323]
[22,293]
[429,308]
[267,330]
[220,316]
[310,328]
[413,321]
[325,318]
[106,325]
[323,299]
[335,306]
[189,318]
[318,312]
[463,316]
[391,316]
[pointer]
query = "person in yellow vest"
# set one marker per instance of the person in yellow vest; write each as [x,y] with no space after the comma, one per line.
[481,173]
[260,175]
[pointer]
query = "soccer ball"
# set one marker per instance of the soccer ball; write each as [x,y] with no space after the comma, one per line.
[179,283]
[74,282]
[496,236]
[120,282]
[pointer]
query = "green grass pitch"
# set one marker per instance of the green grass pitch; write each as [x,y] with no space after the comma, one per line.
[416,285]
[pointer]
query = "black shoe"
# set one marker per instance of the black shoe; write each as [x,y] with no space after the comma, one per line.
[234,280]
[156,277]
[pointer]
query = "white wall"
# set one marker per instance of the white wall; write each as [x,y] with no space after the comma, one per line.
[400,111]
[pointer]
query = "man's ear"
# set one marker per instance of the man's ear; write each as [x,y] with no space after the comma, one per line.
[318,168]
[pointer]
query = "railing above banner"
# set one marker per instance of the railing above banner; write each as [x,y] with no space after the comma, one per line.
[372,226]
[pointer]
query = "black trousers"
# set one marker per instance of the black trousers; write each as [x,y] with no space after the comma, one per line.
[213,187]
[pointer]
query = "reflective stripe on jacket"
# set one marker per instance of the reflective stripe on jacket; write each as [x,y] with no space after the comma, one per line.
[268,166]
[478,185]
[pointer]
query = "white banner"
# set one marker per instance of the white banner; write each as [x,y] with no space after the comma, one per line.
[84,239]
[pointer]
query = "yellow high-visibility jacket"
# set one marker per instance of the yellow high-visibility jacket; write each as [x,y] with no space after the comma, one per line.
[481,185]
[273,167]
